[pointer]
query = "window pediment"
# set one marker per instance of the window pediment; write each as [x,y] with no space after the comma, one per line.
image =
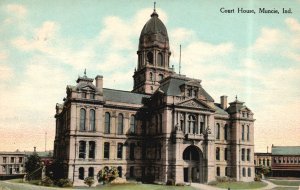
[194,103]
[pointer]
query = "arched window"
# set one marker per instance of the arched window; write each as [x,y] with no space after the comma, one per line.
[120,151]
[201,124]
[151,76]
[182,122]
[243,132]
[225,131]
[81,173]
[150,58]
[92,148]
[131,173]
[132,125]
[226,171]
[192,122]
[82,119]
[92,120]
[259,161]
[107,123]
[244,172]
[249,172]
[218,131]
[120,124]
[160,60]
[120,171]
[91,172]
[82,149]
[191,153]
[218,171]
[217,153]
[248,133]
[264,162]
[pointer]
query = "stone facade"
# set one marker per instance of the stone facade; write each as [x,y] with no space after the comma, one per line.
[12,163]
[168,127]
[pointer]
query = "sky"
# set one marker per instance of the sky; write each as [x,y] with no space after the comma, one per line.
[46,45]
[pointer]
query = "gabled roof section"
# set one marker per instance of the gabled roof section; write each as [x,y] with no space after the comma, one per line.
[195,103]
[285,150]
[123,96]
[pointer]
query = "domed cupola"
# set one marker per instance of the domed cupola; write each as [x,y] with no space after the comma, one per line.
[154,33]
[153,56]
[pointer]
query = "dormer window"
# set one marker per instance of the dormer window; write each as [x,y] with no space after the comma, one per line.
[83,95]
[92,96]
[160,77]
[194,93]
[190,93]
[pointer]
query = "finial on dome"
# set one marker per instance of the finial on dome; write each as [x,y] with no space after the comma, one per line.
[85,72]
[154,10]
[236,98]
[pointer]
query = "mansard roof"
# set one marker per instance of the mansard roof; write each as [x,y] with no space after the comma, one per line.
[171,87]
[123,96]
[285,150]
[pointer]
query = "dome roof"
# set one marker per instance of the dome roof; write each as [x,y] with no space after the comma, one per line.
[155,26]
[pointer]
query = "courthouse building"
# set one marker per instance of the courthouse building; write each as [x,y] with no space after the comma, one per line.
[167,127]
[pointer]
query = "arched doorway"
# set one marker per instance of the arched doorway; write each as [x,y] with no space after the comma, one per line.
[192,165]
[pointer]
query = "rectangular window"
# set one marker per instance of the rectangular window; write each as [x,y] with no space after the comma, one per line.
[131,155]
[248,154]
[92,149]
[243,154]
[82,148]
[20,159]
[4,159]
[225,153]
[120,151]
[12,160]
[106,150]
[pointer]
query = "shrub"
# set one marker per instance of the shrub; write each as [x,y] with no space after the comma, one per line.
[106,175]
[89,181]
[46,181]
[64,183]
[257,178]
[170,182]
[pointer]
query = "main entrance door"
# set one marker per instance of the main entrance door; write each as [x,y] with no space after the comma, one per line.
[192,157]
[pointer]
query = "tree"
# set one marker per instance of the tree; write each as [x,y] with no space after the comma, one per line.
[106,175]
[89,181]
[33,167]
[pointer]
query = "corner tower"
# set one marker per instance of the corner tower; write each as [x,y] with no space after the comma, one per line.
[153,56]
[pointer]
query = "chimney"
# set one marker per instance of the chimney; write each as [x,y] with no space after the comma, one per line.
[224,102]
[99,83]
[34,149]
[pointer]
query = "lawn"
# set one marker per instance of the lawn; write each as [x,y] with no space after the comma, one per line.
[17,185]
[285,182]
[241,185]
[138,187]
[285,188]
